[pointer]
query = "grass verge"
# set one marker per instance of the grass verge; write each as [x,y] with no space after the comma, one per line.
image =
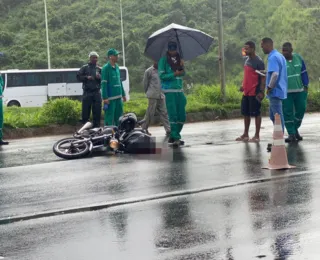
[200,99]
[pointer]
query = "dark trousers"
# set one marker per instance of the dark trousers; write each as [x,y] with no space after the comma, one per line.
[92,101]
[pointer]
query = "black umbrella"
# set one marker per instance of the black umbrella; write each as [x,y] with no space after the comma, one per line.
[191,42]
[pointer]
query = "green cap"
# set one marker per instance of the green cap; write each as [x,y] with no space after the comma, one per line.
[112,52]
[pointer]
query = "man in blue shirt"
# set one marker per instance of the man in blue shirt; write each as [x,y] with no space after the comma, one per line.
[277,80]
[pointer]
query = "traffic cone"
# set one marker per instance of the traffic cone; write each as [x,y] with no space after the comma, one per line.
[279,158]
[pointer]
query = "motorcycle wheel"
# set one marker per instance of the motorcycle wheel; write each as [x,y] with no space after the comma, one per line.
[66,150]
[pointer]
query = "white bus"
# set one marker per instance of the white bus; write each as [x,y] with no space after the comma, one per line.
[33,88]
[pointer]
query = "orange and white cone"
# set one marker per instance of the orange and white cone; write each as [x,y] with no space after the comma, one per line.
[279,158]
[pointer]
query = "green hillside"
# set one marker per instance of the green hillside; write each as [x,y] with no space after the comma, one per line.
[78,26]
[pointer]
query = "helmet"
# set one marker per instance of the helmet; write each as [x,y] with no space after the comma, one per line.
[128,122]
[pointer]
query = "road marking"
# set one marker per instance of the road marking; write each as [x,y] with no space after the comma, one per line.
[160,196]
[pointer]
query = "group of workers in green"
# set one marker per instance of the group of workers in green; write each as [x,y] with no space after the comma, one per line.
[163,85]
[104,85]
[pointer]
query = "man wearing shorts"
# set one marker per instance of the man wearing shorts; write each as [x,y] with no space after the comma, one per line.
[253,87]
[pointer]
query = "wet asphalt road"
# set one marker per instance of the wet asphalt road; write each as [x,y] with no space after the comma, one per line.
[276,218]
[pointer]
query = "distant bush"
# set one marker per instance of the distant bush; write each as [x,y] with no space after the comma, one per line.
[60,111]
[211,95]
[314,97]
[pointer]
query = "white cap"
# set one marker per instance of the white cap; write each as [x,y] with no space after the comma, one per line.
[93,53]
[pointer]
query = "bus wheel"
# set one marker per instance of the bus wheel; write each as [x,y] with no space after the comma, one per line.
[14,103]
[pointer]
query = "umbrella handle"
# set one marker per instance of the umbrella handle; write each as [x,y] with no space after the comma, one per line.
[179,45]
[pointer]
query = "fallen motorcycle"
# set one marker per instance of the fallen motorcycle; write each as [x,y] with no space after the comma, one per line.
[127,137]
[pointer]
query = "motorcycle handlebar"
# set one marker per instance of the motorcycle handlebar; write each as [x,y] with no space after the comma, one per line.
[139,123]
[93,138]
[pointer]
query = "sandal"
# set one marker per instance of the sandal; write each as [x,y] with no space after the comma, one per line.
[241,138]
[254,140]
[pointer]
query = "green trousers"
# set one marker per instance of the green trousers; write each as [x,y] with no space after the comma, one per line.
[294,108]
[176,106]
[1,119]
[114,112]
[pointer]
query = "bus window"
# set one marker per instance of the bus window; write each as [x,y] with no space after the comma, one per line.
[35,79]
[55,77]
[70,77]
[16,80]
[123,75]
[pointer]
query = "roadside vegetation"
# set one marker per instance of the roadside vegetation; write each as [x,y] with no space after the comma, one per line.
[200,99]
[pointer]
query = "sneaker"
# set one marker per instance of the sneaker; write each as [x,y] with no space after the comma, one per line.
[176,143]
[298,136]
[290,139]
[171,141]
[3,142]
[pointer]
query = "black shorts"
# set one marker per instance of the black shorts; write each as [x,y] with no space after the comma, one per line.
[250,106]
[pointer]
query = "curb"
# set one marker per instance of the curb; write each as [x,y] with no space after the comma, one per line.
[206,116]
[19,133]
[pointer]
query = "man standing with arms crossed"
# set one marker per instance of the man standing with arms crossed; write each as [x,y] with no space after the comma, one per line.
[294,107]
[253,88]
[156,99]
[112,89]
[277,80]
[1,113]
[89,75]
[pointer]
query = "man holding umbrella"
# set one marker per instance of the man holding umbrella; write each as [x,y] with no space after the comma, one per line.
[170,46]
[171,71]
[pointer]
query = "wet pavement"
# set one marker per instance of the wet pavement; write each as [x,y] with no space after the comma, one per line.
[251,213]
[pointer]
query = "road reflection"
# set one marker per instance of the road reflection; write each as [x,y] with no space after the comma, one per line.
[179,230]
[278,209]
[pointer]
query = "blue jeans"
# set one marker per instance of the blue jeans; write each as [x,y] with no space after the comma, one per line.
[276,108]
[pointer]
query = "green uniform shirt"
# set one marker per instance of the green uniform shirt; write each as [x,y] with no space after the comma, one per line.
[294,69]
[166,75]
[1,84]
[111,83]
